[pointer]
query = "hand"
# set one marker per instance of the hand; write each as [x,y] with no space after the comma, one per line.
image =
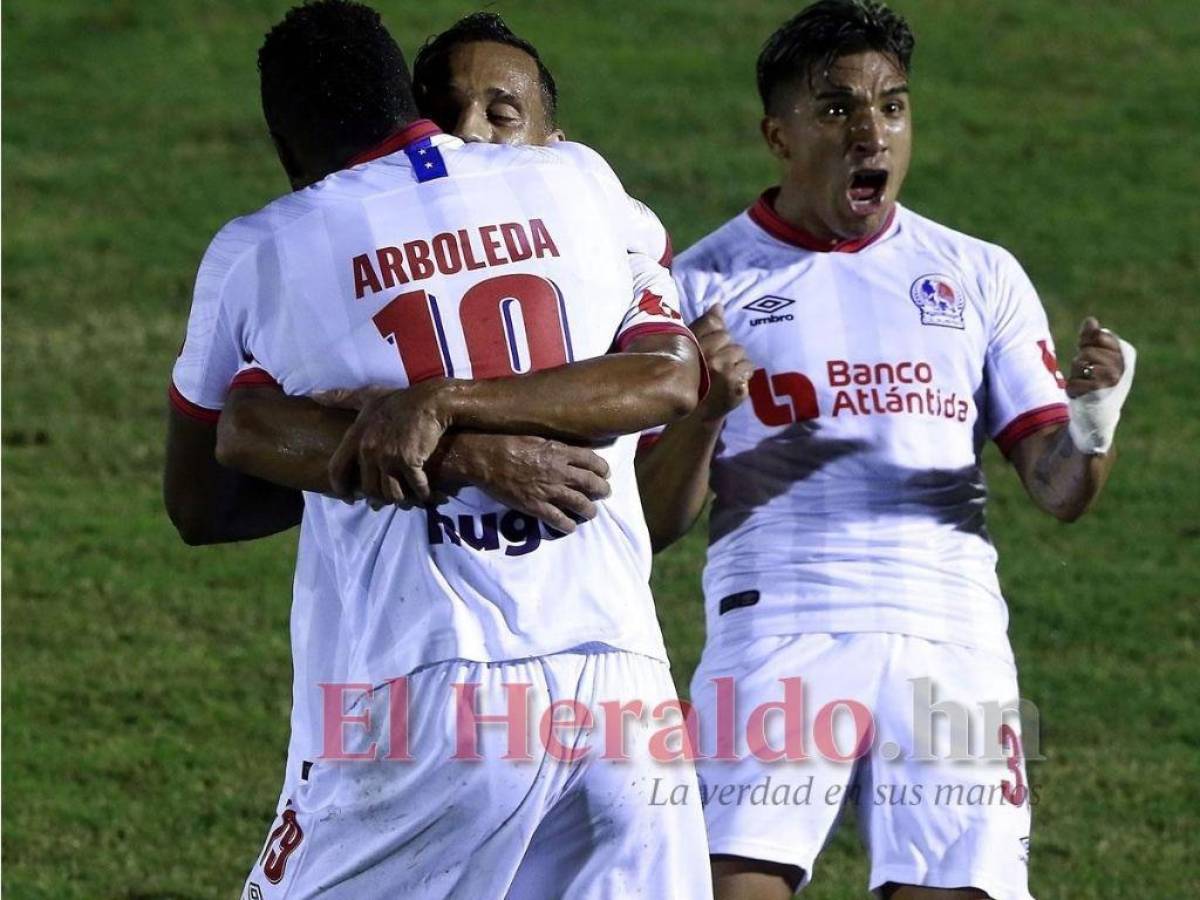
[389,443]
[728,367]
[1098,362]
[548,480]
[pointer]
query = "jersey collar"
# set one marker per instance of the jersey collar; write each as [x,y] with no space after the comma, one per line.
[409,134]
[763,214]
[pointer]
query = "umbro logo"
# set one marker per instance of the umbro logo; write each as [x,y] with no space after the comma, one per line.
[770,305]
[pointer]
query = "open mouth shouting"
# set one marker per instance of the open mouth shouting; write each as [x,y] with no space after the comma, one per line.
[866,191]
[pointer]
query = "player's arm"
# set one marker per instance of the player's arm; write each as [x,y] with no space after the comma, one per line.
[656,379]
[673,467]
[1065,467]
[209,503]
[291,440]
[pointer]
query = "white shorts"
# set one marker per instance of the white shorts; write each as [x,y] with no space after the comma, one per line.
[942,799]
[536,826]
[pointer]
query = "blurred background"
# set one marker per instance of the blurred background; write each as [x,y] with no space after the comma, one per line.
[146,685]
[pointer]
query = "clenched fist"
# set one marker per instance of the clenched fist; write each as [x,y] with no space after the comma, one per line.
[1098,362]
[728,366]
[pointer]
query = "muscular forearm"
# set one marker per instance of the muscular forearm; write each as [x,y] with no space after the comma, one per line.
[589,401]
[284,440]
[1058,477]
[289,441]
[673,477]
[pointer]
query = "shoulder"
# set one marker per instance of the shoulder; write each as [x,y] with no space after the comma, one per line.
[233,244]
[583,159]
[578,155]
[970,253]
[991,275]
[722,252]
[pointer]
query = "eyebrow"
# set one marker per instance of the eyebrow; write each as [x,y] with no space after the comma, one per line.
[838,92]
[504,96]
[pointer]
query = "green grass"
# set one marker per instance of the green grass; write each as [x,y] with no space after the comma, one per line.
[146,685]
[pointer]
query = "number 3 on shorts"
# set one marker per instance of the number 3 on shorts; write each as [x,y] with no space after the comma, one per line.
[1011,744]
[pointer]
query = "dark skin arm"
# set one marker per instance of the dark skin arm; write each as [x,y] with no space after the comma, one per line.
[290,440]
[285,440]
[655,381]
[673,472]
[210,503]
[1059,478]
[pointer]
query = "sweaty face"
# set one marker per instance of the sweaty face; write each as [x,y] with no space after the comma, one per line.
[845,141]
[493,96]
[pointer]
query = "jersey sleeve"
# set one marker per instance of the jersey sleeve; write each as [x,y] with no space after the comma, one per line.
[213,351]
[251,374]
[654,310]
[690,293]
[1025,390]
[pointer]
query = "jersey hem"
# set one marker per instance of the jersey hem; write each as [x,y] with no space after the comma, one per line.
[1028,423]
[767,852]
[723,637]
[991,883]
[253,378]
[657,652]
[192,410]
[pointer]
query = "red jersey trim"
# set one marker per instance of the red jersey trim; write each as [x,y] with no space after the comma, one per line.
[763,214]
[190,409]
[668,255]
[637,331]
[253,378]
[1029,422]
[646,441]
[410,133]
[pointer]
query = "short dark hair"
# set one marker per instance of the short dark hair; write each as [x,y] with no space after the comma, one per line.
[431,68]
[824,31]
[332,75]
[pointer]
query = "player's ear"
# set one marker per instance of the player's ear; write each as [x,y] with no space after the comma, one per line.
[287,159]
[555,136]
[773,134]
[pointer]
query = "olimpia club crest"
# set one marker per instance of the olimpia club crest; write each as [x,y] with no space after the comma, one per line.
[939,301]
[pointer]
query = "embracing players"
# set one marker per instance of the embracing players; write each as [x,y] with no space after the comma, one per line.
[847,539]
[491,287]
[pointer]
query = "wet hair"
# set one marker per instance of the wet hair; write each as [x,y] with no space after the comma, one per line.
[332,76]
[819,34]
[431,68]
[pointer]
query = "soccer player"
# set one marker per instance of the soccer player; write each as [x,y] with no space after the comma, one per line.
[847,540]
[406,257]
[487,84]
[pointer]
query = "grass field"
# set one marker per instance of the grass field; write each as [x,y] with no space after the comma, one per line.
[146,684]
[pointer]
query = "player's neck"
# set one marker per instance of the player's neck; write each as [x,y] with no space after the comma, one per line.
[788,203]
[404,134]
[785,206]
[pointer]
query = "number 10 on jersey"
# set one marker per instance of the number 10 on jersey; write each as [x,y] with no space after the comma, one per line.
[511,324]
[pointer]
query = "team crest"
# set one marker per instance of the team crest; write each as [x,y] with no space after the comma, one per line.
[939,301]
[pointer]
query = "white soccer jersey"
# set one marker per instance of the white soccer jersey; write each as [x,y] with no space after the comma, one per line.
[849,495]
[441,258]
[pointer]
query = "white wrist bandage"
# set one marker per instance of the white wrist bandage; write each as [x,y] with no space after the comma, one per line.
[1094,416]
